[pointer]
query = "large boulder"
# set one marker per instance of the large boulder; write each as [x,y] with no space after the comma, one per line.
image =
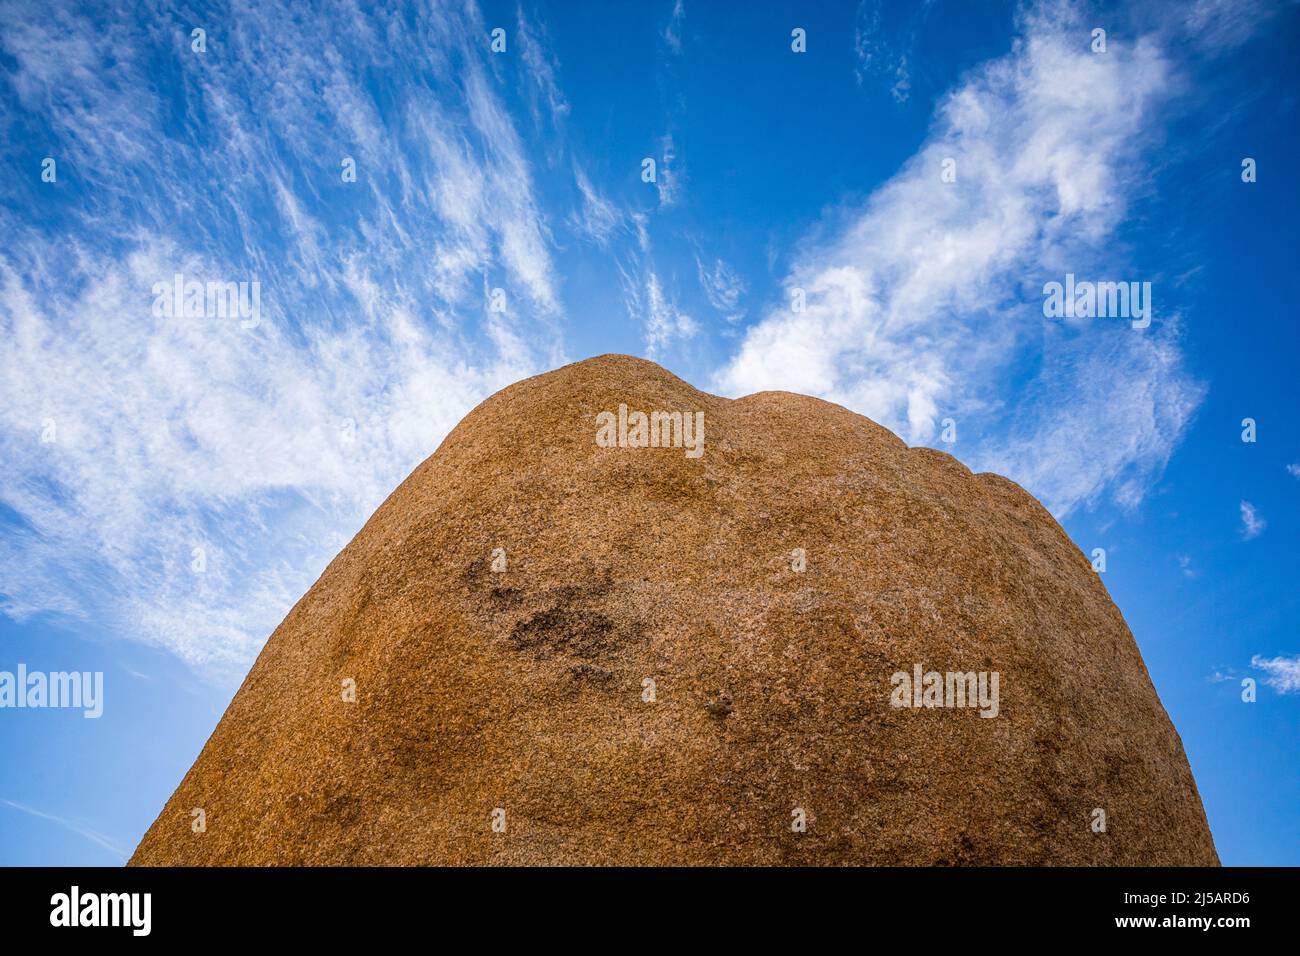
[563,649]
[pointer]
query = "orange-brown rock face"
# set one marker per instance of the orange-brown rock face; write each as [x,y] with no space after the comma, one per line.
[675,659]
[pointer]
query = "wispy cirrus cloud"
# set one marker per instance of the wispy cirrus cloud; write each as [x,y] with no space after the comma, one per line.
[598,218]
[722,287]
[672,33]
[107,844]
[663,322]
[1221,24]
[926,304]
[542,71]
[883,42]
[669,177]
[138,447]
[1252,522]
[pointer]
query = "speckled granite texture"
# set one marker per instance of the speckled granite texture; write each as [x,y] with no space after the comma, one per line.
[520,696]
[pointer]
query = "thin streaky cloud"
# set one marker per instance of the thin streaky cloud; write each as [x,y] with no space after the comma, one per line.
[265,448]
[673,31]
[93,836]
[1252,523]
[722,287]
[598,218]
[927,303]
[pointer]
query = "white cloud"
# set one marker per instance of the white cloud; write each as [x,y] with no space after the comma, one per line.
[722,287]
[669,178]
[599,217]
[1283,672]
[884,49]
[1251,522]
[542,72]
[927,304]
[673,31]
[177,434]
[641,222]
[1218,25]
[1293,471]
[664,323]
[266,448]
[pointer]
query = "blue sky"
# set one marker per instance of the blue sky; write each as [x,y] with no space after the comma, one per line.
[128,439]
